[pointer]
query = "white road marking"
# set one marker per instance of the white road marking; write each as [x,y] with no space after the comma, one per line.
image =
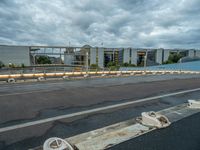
[87,112]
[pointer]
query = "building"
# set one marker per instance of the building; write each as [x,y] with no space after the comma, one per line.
[100,56]
[15,54]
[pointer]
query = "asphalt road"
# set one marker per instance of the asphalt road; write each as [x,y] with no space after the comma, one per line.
[182,135]
[21,103]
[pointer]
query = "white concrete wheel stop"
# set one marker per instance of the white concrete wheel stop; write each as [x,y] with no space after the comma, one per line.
[11,80]
[194,104]
[154,119]
[41,79]
[56,144]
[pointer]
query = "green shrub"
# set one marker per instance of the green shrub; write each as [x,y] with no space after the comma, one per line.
[110,64]
[1,64]
[173,58]
[11,65]
[125,64]
[128,65]
[94,66]
[114,68]
[22,66]
[43,60]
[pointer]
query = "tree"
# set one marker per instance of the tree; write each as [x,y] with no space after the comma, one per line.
[43,60]
[125,64]
[173,58]
[112,66]
[1,64]
[128,65]
[22,65]
[94,66]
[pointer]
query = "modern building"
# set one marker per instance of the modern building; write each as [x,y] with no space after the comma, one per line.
[100,56]
[15,54]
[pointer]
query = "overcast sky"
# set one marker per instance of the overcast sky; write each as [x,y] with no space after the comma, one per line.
[115,23]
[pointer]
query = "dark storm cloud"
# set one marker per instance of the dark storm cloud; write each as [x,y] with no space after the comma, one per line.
[116,23]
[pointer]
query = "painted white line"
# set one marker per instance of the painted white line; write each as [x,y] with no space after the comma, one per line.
[87,112]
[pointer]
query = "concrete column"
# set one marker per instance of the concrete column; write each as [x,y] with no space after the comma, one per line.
[159,56]
[191,53]
[101,57]
[93,55]
[126,57]
[166,55]
[134,57]
[197,53]
[120,57]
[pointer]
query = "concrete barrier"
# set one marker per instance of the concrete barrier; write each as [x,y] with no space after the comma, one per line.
[118,73]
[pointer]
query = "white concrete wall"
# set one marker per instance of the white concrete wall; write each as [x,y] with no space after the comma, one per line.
[159,56]
[134,57]
[93,55]
[68,59]
[191,53]
[198,53]
[15,54]
[101,57]
[126,57]
[166,55]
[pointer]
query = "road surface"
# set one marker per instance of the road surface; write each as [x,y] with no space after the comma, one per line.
[29,102]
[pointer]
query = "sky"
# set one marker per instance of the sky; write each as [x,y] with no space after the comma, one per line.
[111,23]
